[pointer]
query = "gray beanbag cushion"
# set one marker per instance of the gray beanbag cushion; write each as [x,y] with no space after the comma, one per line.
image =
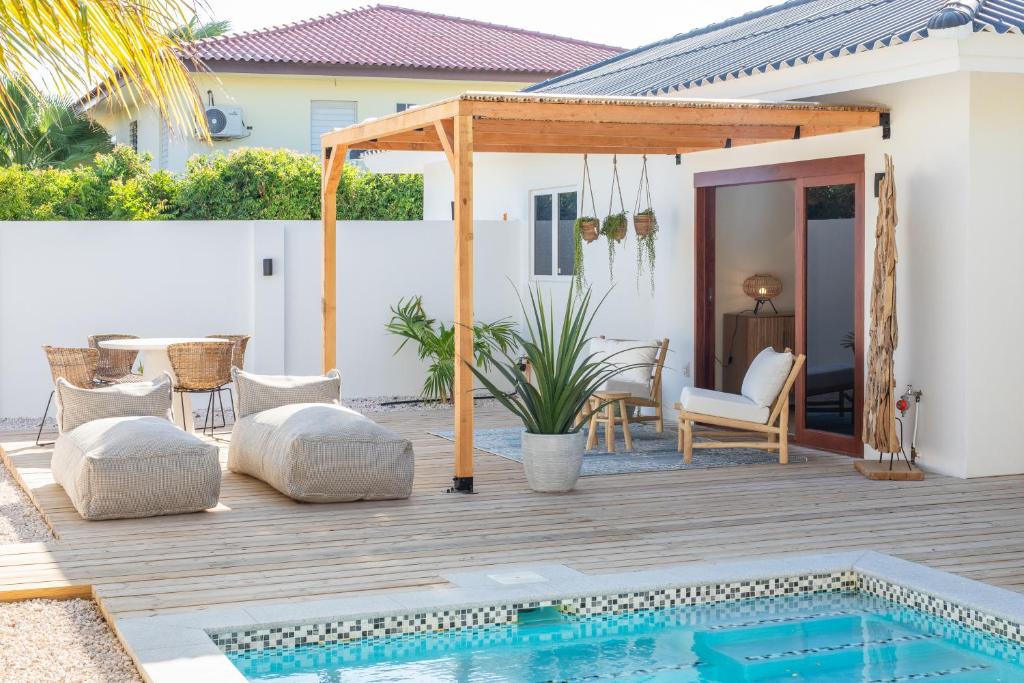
[121,467]
[322,453]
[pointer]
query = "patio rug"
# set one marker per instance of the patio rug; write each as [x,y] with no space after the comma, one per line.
[652,452]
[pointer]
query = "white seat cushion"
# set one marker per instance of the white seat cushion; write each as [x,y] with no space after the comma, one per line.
[638,389]
[624,352]
[766,375]
[720,404]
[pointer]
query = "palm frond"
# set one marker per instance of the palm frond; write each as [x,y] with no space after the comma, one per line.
[126,50]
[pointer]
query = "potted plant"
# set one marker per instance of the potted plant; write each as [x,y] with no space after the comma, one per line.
[585,229]
[645,224]
[588,228]
[614,230]
[564,377]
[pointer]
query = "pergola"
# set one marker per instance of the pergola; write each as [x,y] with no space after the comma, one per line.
[548,124]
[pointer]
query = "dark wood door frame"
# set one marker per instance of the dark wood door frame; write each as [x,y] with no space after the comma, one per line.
[705,185]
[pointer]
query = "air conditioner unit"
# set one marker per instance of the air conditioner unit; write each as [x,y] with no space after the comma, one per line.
[226,123]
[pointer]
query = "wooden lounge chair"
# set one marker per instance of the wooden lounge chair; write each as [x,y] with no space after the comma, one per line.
[634,394]
[739,413]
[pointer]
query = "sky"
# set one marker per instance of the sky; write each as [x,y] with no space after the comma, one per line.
[626,23]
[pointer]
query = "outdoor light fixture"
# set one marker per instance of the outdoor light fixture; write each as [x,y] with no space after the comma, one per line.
[762,289]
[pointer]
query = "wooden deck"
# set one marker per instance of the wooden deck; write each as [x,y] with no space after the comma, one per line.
[258,546]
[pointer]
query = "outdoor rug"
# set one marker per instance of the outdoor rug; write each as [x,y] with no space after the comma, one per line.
[652,452]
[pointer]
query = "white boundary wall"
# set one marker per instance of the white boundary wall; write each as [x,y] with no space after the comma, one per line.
[61,281]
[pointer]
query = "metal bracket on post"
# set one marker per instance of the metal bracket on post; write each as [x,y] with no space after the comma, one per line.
[461,485]
[885,121]
[796,133]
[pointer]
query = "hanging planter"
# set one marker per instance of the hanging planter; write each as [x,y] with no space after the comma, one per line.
[585,229]
[615,225]
[645,224]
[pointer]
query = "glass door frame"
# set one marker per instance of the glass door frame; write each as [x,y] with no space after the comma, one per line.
[811,173]
[815,438]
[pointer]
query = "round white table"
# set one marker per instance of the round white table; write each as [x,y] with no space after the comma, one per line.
[155,362]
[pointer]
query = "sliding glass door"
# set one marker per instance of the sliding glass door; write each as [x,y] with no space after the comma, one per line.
[829,311]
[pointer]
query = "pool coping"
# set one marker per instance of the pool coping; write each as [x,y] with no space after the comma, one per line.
[175,647]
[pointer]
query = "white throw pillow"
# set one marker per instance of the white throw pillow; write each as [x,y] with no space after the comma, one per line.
[766,375]
[76,406]
[257,393]
[625,352]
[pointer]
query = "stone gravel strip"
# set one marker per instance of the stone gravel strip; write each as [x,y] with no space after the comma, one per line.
[60,640]
[20,521]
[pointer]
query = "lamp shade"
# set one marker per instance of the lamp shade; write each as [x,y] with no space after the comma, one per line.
[762,287]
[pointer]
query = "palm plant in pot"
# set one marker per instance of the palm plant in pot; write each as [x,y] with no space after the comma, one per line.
[564,377]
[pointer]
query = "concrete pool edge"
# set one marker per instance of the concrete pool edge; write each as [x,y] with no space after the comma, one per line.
[177,647]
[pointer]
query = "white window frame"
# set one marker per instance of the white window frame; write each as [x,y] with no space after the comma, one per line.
[554,192]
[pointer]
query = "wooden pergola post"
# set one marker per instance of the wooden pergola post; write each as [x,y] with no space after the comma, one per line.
[462,168]
[334,162]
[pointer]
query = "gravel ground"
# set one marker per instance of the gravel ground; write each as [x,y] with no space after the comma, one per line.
[20,522]
[60,640]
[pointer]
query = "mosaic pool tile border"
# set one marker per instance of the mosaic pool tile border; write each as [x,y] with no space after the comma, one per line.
[506,614]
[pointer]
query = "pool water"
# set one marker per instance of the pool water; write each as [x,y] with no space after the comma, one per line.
[822,637]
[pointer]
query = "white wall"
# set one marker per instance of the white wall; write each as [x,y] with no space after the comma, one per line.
[62,281]
[995,279]
[753,234]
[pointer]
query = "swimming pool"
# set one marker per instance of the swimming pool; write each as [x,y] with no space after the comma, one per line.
[844,635]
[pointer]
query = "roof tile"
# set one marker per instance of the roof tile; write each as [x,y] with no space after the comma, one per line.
[388,36]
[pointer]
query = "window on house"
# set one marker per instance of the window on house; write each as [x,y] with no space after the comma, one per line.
[553,213]
[133,136]
[402,106]
[163,154]
[326,115]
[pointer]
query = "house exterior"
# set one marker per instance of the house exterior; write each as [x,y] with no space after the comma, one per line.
[296,81]
[951,75]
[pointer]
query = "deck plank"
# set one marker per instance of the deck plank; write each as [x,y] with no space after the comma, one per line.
[259,547]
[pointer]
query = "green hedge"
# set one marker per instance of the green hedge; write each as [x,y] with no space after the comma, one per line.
[247,184]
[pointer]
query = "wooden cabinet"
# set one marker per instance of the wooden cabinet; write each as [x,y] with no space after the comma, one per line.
[744,335]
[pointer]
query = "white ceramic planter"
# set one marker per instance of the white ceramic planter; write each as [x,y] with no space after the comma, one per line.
[553,461]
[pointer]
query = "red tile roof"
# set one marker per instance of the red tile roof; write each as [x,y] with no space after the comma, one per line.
[384,36]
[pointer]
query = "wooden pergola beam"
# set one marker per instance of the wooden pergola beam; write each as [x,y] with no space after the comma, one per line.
[463,384]
[333,164]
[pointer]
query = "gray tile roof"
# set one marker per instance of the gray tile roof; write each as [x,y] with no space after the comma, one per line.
[778,37]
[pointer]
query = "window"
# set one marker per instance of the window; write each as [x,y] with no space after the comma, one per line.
[325,116]
[553,214]
[402,106]
[163,155]
[133,136]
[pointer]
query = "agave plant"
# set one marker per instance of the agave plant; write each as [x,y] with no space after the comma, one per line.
[436,343]
[565,374]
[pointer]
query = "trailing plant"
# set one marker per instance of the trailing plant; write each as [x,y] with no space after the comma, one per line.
[645,224]
[614,231]
[436,343]
[582,224]
[564,373]
[645,248]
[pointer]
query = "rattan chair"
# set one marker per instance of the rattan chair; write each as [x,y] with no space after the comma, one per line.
[201,368]
[77,366]
[115,365]
[241,341]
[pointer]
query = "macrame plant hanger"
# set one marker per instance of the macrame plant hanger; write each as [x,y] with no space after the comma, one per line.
[588,224]
[615,225]
[645,224]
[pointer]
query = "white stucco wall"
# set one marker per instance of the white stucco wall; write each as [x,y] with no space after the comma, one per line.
[62,281]
[994,279]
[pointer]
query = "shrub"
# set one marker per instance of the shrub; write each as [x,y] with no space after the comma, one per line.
[247,184]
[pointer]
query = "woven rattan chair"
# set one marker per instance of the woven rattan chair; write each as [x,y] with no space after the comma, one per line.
[115,365]
[201,368]
[77,366]
[241,341]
